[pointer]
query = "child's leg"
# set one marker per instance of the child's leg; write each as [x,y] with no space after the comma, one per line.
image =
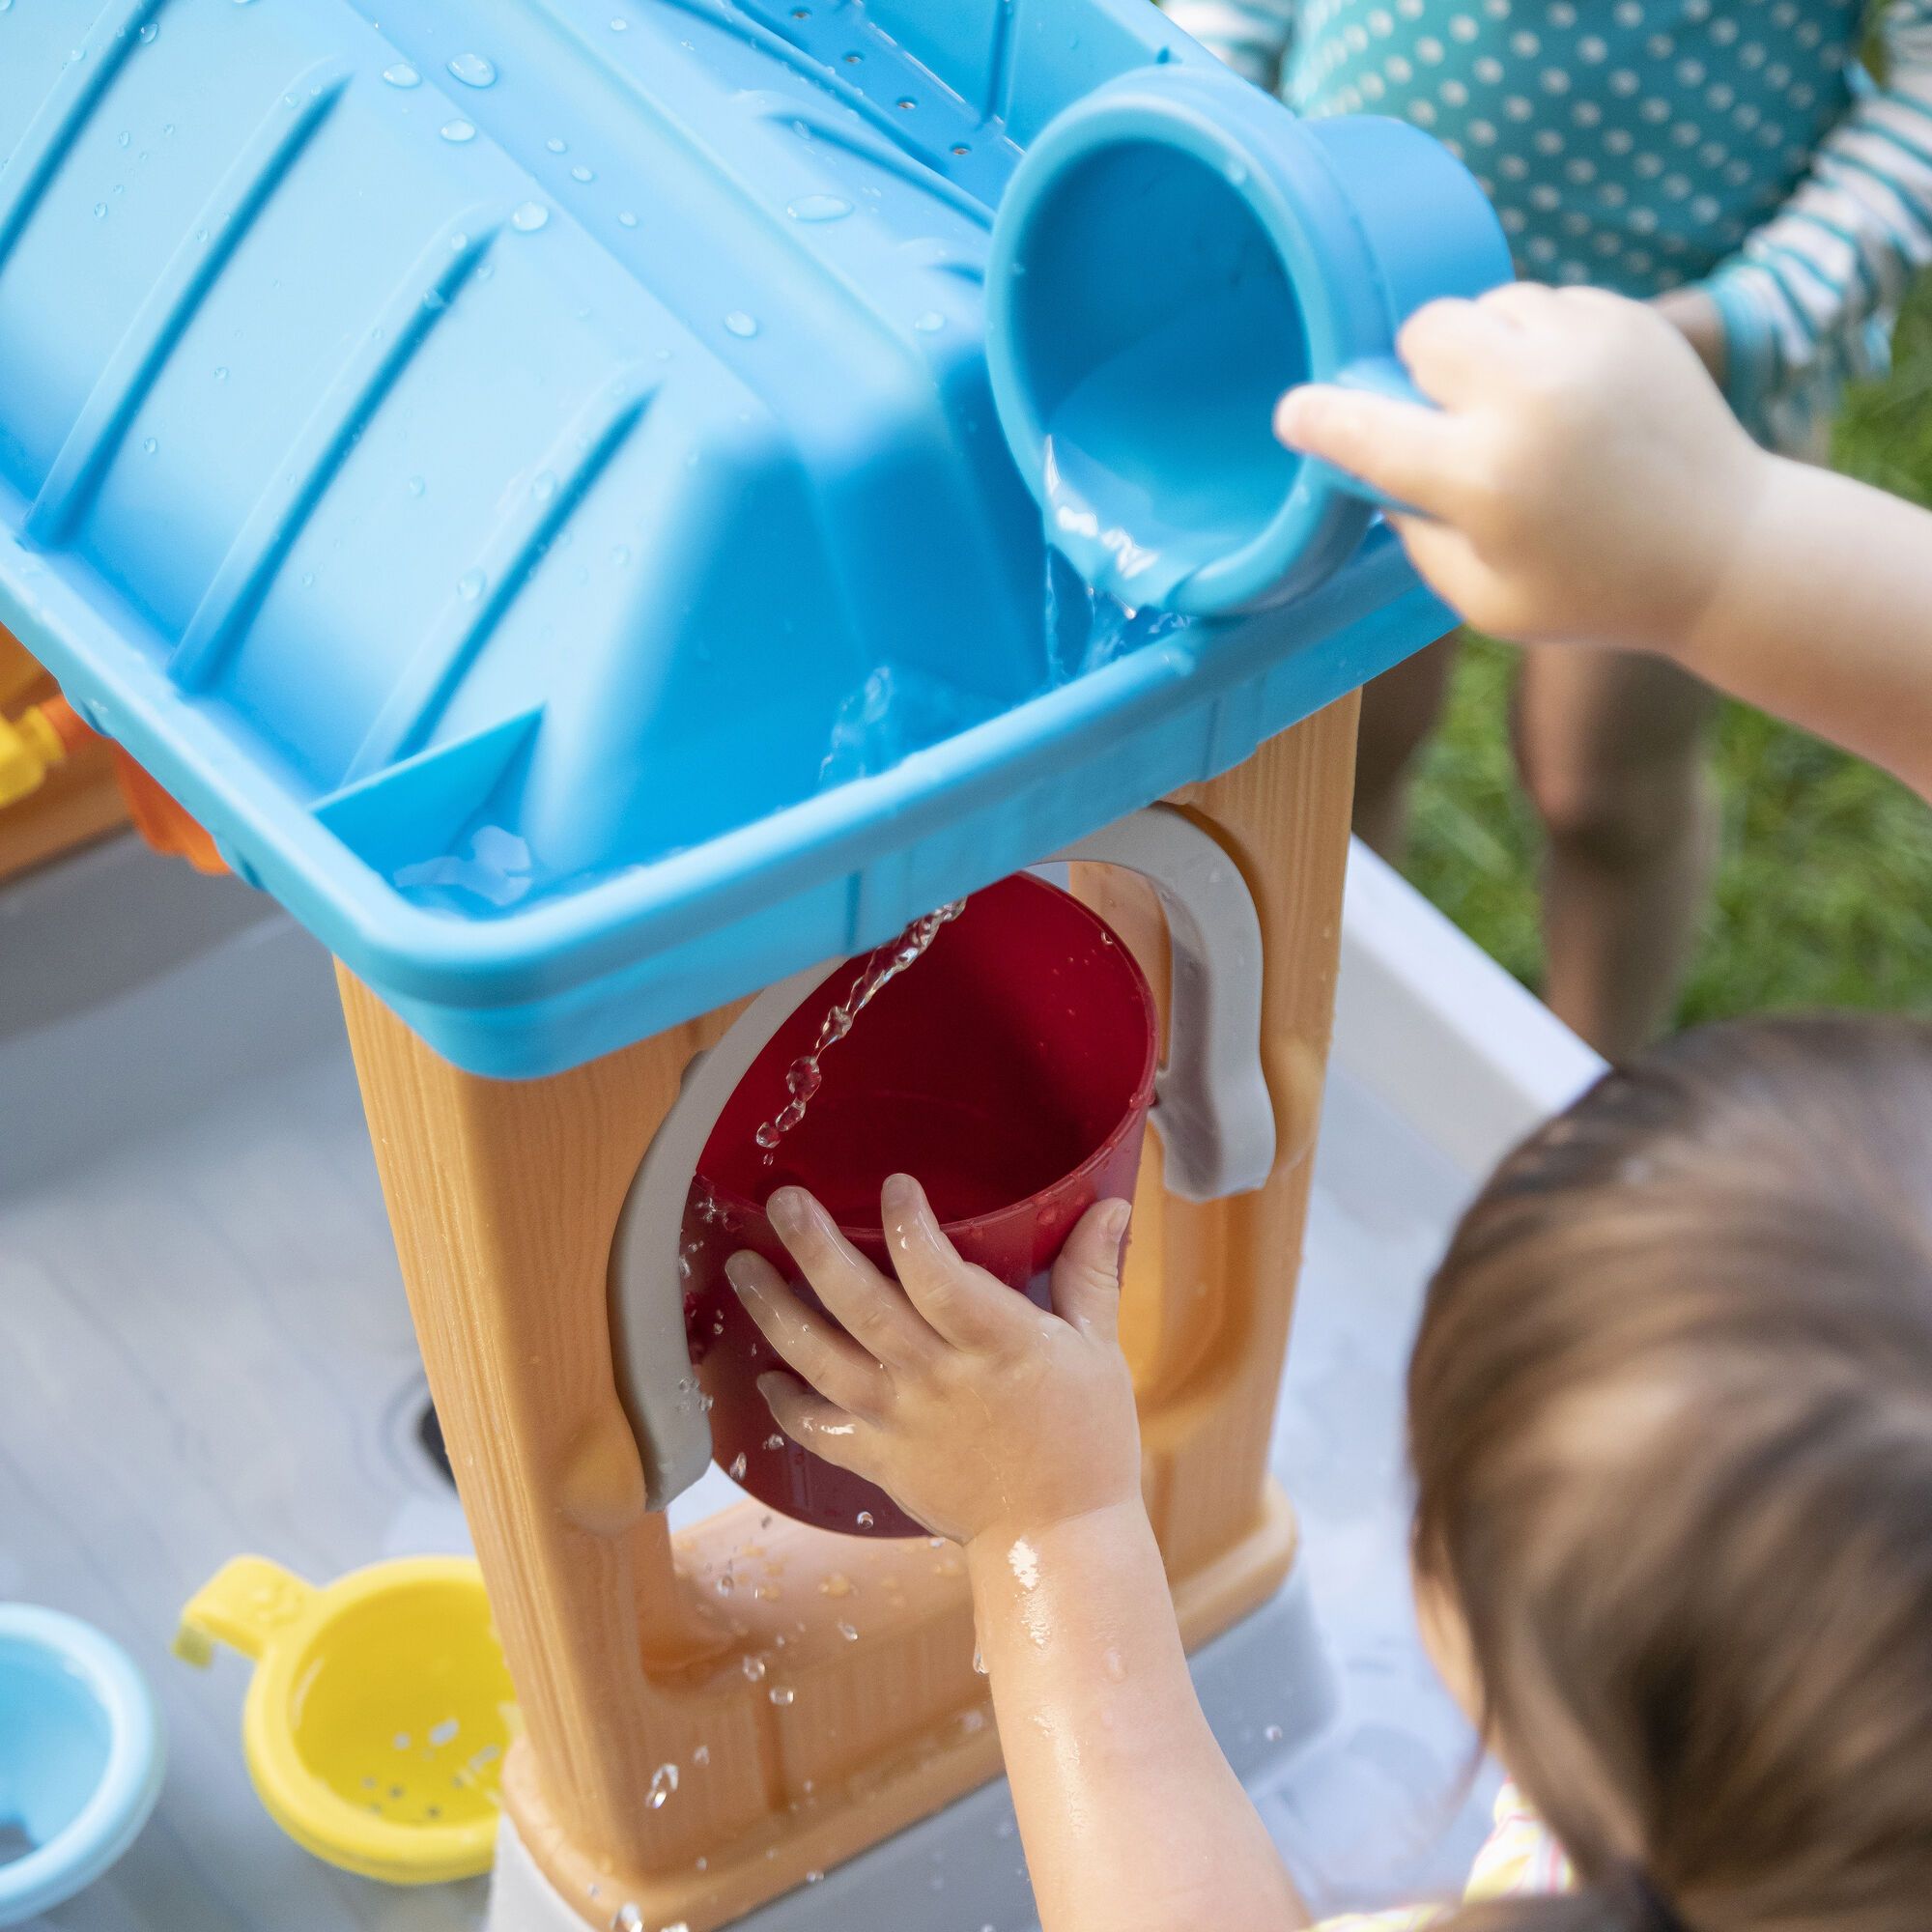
[1611,747]
[1399,711]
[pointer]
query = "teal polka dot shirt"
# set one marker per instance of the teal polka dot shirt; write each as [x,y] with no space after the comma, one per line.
[1647,145]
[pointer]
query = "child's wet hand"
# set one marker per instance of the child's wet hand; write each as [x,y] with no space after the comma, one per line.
[1579,478]
[970,1406]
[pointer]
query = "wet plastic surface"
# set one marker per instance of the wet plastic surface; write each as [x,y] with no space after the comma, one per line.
[524,477]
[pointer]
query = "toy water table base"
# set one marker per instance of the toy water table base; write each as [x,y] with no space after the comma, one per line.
[213,1354]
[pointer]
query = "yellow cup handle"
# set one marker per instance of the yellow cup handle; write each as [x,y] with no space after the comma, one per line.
[244,1604]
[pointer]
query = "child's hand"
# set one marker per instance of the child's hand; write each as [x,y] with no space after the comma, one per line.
[1700,322]
[971,1409]
[1581,481]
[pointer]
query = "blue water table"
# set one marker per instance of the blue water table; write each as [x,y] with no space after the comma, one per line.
[605,508]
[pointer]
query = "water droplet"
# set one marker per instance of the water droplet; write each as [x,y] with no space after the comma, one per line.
[122,138]
[474,71]
[458,243]
[308,578]
[626,219]
[960,148]
[618,25]
[150,446]
[753,1667]
[401,1740]
[847,1632]
[100,211]
[741,324]
[929,323]
[775,1442]
[724,1586]
[470,583]
[978,1659]
[864,1519]
[558,145]
[442,1733]
[818,208]
[543,485]
[664,1781]
[149,33]
[1272,1733]
[459,130]
[781,1694]
[906,105]
[221,372]
[402,74]
[417,485]
[529,217]
[813,1877]
[580,173]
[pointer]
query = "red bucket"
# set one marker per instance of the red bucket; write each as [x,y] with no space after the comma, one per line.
[1010,1070]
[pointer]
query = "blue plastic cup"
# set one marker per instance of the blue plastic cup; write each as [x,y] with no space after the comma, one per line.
[1175,251]
[80,1756]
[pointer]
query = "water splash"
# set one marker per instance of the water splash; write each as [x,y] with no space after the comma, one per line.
[894,713]
[803,1077]
[498,870]
[1087,629]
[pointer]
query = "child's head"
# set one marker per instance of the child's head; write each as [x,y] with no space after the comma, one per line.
[1671,1418]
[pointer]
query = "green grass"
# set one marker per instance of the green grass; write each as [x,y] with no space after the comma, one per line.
[1824,892]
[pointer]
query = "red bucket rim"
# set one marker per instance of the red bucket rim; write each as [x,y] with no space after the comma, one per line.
[1142,1098]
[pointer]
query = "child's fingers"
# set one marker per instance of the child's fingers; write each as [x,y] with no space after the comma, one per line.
[1087,1277]
[966,1306]
[808,1419]
[1455,350]
[1450,564]
[1406,451]
[835,1365]
[869,1307]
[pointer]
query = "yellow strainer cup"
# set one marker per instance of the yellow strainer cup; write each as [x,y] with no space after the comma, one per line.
[379,1713]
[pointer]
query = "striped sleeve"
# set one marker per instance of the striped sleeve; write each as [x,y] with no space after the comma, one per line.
[1250,35]
[1846,244]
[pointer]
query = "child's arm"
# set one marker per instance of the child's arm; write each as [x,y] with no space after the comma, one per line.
[1581,481]
[1013,1431]
[1855,230]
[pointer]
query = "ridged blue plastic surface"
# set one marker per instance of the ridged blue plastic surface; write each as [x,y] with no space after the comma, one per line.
[555,532]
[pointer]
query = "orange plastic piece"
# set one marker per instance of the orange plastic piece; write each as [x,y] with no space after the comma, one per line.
[161,822]
[66,724]
[818,1693]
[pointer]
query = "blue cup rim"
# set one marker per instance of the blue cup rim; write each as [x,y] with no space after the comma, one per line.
[1335,280]
[129,1782]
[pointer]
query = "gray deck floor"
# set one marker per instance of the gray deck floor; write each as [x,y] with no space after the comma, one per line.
[205,1350]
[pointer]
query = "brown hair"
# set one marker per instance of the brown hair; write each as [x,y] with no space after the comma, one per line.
[1671,1416]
